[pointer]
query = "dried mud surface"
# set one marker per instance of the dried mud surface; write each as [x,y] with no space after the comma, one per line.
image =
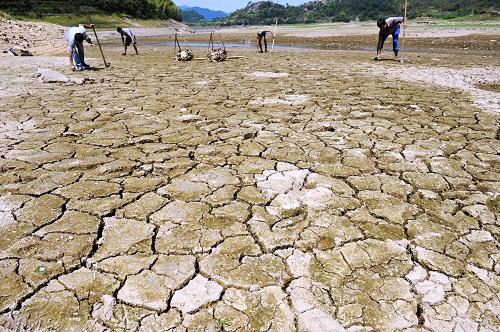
[307,191]
[39,38]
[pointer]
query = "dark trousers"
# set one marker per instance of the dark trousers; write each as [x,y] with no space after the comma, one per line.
[79,56]
[81,52]
[260,43]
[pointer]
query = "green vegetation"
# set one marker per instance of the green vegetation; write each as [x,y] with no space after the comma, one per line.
[190,16]
[41,269]
[267,12]
[449,9]
[221,323]
[144,9]
[101,21]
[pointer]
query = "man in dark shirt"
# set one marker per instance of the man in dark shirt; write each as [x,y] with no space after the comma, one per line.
[262,36]
[391,26]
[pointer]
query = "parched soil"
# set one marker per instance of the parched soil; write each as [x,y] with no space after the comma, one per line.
[39,38]
[495,87]
[291,191]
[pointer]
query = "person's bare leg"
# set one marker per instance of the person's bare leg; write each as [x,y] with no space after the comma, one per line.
[136,51]
[125,52]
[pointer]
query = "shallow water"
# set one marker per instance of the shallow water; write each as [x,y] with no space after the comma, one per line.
[229,45]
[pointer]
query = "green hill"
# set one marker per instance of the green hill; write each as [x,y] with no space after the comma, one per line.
[145,9]
[267,12]
[190,16]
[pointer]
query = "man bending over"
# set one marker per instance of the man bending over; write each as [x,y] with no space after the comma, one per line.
[262,36]
[391,26]
[75,37]
[128,37]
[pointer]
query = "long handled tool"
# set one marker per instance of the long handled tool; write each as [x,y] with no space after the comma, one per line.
[222,42]
[405,24]
[211,43]
[179,54]
[106,64]
[176,44]
[229,57]
[216,55]
[274,35]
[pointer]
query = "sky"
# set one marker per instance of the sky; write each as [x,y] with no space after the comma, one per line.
[229,5]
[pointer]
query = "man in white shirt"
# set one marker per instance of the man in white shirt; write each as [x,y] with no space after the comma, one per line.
[128,37]
[75,37]
[390,26]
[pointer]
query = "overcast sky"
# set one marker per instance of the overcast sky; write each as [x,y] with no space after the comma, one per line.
[228,5]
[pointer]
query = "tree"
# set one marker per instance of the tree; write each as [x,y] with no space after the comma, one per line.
[135,8]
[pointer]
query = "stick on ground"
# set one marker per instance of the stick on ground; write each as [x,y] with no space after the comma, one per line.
[99,44]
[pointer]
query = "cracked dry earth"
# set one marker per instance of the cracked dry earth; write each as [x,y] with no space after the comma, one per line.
[299,192]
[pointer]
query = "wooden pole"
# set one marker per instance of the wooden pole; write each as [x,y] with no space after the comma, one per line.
[210,43]
[99,44]
[405,24]
[175,44]
[274,35]
[222,42]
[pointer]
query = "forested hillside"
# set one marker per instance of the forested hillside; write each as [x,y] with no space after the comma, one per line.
[267,12]
[135,8]
[190,16]
[207,14]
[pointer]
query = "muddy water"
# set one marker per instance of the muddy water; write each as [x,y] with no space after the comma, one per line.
[217,45]
[468,45]
[294,191]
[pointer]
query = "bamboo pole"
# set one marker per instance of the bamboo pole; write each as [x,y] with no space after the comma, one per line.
[405,24]
[106,64]
[274,35]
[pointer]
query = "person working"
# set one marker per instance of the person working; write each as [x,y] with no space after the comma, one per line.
[262,36]
[128,37]
[390,26]
[75,37]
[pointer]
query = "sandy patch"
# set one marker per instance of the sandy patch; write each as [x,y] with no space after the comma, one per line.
[368,28]
[262,74]
[171,28]
[412,32]
[40,38]
[466,79]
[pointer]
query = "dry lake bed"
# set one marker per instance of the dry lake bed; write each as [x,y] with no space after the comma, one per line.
[301,190]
